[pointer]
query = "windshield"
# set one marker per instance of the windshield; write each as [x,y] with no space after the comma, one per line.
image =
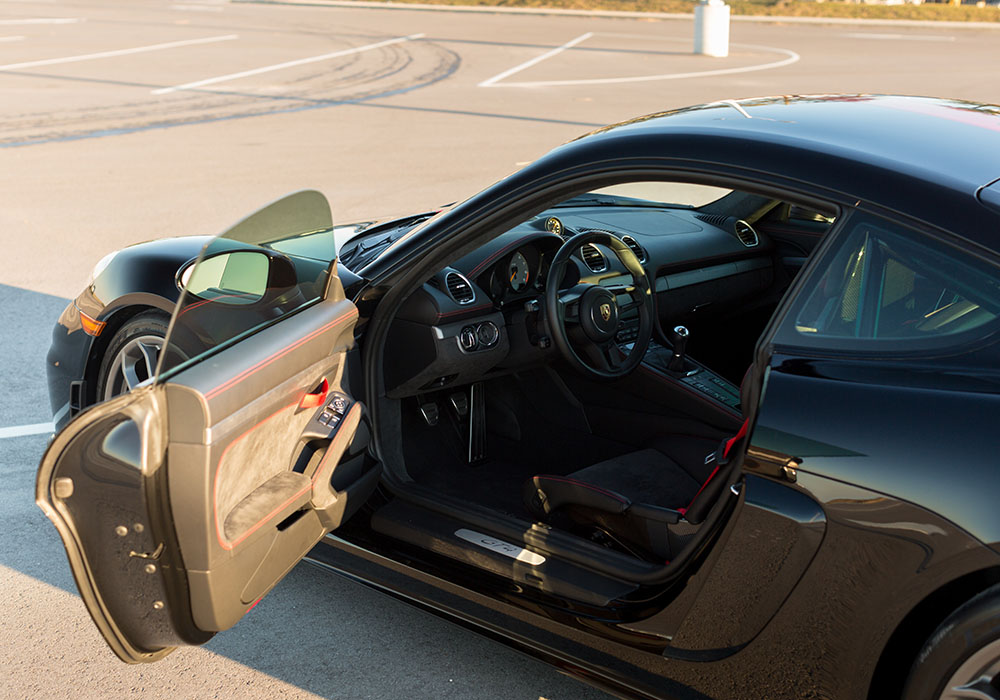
[677,195]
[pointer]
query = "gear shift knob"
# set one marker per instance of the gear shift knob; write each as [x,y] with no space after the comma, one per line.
[678,338]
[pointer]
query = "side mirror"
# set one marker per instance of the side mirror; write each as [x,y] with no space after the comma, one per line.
[239,278]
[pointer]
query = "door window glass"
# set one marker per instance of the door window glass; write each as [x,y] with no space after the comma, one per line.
[249,278]
[229,278]
[887,286]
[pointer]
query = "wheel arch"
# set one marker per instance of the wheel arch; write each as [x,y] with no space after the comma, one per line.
[919,624]
[114,322]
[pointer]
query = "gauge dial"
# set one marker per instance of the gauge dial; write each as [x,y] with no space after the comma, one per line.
[517,272]
[554,225]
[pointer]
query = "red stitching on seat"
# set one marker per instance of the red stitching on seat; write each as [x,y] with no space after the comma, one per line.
[575,482]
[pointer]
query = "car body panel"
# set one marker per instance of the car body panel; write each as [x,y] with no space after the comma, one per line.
[864,511]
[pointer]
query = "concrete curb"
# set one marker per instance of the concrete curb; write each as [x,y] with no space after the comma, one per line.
[426,7]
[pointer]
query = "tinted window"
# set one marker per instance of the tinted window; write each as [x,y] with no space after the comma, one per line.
[250,277]
[885,286]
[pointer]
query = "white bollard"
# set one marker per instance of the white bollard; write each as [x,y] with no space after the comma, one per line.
[711,28]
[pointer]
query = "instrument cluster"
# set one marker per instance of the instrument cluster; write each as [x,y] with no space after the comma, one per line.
[521,273]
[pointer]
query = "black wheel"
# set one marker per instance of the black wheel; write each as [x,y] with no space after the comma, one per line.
[961,660]
[132,356]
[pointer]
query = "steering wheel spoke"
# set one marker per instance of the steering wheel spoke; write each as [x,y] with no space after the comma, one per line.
[569,302]
[612,356]
[634,304]
[621,289]
[606,357]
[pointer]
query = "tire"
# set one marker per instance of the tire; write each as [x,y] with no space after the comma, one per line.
[962,658]
[132,354]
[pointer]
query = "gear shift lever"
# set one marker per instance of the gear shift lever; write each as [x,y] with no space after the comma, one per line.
[678,339]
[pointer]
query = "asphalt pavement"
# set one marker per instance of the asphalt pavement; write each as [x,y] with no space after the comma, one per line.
[125,122]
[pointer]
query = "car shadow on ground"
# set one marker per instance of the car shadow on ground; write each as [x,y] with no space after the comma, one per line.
[315,632]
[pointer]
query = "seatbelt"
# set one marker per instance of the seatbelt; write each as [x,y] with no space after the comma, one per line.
[721,456]
[736,438]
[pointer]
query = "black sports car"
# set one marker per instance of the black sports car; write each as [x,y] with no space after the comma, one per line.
[697,405]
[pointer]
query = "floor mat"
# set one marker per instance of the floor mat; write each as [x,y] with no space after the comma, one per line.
[522,443]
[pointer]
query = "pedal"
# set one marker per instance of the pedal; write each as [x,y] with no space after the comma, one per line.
[430,413]
[460,402]
[477,423]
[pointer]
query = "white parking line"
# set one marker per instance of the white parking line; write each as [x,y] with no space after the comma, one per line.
[286,64]
[11,38]
[119,52]
[791,57]
[22,430]
[41,20]
[899,37]
[197,8]
[535,61]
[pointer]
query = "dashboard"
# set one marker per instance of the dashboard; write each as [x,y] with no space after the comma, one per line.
[482,315]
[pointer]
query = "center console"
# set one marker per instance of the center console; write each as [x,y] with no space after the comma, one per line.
[675,364]
[694,375]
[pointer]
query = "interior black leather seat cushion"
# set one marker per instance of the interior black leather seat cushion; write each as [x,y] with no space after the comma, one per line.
[637,496]
[667,474]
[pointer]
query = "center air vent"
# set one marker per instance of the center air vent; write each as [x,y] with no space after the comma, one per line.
[713,219]
[746,234]
[459,288]
[593,258]
[635,248]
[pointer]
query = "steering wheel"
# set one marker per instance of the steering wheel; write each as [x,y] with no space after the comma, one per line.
[588,313]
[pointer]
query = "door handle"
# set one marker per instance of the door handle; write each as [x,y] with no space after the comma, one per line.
[316,398]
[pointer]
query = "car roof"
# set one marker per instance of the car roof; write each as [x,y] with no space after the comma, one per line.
[926,157]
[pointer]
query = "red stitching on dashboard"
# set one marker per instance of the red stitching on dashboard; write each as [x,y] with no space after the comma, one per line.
[519,242]
[664,378]
[225,386]
[481,307]
[696,263]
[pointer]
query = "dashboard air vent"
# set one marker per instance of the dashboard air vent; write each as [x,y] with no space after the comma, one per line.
[593,258]
[459,288]
[713,219]
[746,234]
[635,247]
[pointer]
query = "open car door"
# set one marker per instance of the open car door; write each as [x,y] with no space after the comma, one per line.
[184,502]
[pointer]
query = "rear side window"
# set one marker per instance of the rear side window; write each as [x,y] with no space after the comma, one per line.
[888,287]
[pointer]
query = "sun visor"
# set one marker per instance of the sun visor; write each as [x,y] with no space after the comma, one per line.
[990,195]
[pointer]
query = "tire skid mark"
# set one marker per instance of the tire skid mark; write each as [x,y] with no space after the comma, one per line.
[388,71]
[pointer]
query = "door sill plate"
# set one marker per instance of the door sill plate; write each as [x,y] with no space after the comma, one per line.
[500,547]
